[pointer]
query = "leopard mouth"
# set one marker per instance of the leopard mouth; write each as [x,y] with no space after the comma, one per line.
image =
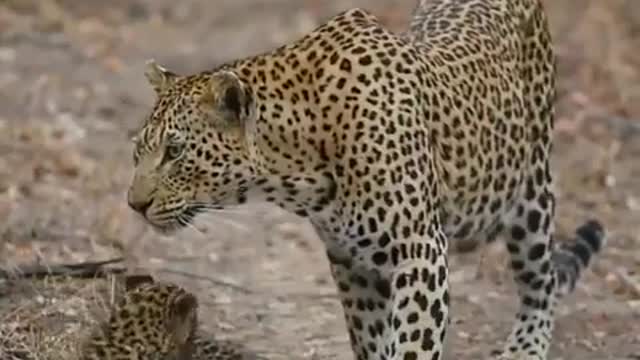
[171,222]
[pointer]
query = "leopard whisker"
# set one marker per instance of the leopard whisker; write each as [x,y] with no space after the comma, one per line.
[189,225]
[239,209]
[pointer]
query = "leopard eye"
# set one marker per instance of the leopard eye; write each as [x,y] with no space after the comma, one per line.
[173,151]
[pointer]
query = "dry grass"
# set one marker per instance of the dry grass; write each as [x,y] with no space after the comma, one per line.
[48,318]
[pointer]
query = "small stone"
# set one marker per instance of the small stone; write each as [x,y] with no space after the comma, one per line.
[7,54]
[288,230]
[213,257]
[610,181]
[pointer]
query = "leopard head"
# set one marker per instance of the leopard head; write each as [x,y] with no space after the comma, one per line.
[193,151]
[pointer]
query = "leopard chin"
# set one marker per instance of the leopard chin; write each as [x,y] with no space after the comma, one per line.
[171,224]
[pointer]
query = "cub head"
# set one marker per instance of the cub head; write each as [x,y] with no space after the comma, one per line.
[192,152]
[150,321]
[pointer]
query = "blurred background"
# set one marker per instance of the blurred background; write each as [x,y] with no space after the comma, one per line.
[72,91]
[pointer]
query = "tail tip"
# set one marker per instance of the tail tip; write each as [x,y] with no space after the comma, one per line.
[592,232]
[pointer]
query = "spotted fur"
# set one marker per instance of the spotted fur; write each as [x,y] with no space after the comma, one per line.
[393,146]
[155,321]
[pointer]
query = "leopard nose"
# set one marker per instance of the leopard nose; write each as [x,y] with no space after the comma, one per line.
[141,205]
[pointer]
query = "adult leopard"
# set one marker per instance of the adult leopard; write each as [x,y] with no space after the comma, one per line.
[393,145]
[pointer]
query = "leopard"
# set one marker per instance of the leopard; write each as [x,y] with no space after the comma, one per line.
[155,320]
[395,146]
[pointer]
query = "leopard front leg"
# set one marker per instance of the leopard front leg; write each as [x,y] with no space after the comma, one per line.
[401,313]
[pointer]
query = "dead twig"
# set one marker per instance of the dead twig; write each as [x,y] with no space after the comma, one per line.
[208,279]
[315,296]
[81,270]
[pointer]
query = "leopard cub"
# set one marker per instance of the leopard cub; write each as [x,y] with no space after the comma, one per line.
[155,321]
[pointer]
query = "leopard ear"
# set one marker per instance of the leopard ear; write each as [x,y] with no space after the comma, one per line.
[227,98]
[159,77]
[183,319]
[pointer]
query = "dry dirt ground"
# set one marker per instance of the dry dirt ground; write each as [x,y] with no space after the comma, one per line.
[72,90]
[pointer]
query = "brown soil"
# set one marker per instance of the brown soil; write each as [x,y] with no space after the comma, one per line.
[72,90]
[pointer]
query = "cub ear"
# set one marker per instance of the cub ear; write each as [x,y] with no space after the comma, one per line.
[124,283]
[227,98]
[159,77]
[183,319]
[133,281]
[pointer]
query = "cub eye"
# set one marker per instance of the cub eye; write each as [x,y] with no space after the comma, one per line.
[173,151]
